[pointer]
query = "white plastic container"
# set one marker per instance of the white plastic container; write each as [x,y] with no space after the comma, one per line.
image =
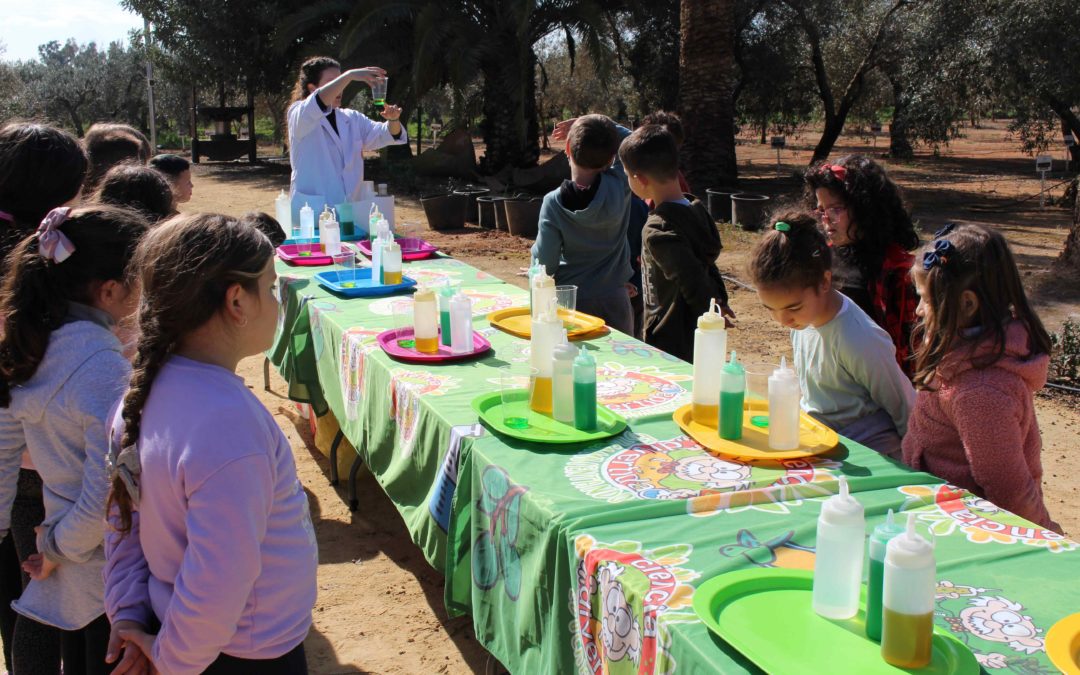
[907,624]
[425,321]
[783,408]
[710,350]
[563,383]
[307,222]
[838,564]
[330,232]
[461,327]
[543,292]
[545,331]
[391,262]
[283,214]
[376,256]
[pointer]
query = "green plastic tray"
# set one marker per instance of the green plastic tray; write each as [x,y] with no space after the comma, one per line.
[766,614]
[542,428]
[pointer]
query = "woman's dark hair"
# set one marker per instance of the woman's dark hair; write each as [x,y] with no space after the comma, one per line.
[36,290]
[137,187]
[185,266]
[310,73]
[793,253]
[978,259]
[170,165]
[876,209]
[109,144]
[670,121]
[266,224]
[41,168]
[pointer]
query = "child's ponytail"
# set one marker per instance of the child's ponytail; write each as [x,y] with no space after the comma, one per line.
[794,252]
[71,252]
[185,266]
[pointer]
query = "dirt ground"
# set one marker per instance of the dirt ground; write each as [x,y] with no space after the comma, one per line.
[380,605]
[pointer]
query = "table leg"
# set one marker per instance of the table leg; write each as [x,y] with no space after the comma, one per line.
[338,438]
[353,470]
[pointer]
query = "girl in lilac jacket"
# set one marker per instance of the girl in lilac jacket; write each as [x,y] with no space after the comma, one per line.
[212,547]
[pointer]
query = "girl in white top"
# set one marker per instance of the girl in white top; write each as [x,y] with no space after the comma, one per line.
[847,367]
[326,141]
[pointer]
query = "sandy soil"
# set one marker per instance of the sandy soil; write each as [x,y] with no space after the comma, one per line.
[380,605]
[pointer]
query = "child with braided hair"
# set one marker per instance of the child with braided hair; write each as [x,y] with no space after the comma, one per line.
[846,363]
[212,555]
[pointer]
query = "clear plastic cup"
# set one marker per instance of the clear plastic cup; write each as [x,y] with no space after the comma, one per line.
[378,91]
[566,298]
[407,231]
[515,403]
[347,261]
[757,380]
[403,321]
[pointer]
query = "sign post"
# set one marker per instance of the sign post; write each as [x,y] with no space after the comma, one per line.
[1043,164]
[1070,141]
[778,142]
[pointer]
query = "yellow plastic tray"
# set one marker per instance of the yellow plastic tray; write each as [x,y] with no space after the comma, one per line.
[814,437]
[517,321]
[1063,644]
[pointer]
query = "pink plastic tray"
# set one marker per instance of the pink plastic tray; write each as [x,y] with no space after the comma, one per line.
[290,253]
[388,340]
[425,249]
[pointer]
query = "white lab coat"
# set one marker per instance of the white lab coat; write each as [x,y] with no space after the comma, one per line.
[328,167]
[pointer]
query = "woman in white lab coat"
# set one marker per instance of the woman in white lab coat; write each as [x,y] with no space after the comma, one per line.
[327,142]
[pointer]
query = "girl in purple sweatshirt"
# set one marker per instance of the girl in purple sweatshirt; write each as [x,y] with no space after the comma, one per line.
[211,558]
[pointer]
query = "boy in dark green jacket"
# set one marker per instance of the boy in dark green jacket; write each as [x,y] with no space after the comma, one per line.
[680,244]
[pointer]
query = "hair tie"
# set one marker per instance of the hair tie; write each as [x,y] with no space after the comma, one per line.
[4,215]
[53,244]
[781,226]
[939,257]
[944,231]
[836,170]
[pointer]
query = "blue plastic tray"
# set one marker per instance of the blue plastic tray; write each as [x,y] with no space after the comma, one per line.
[332,280]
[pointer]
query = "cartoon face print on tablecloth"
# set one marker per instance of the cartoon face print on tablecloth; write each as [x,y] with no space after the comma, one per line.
[638,466]
[406,389]
[624,597]
[484,302]
[356,344]
[639,391]
[947,509]
[997,629]
[494,551]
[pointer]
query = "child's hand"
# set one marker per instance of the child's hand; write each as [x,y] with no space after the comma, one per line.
[391,113]
[631,289]
[562,129]
[136,659]
[728,314]
[39,567]
[368,76]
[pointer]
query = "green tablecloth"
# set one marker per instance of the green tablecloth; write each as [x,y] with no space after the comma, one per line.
[586,558]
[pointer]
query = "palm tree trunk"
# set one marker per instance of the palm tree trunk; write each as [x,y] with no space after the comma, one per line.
[706,92]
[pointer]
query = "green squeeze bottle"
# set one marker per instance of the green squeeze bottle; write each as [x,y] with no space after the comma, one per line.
[446,294]
[732,392]
[879,539]
[585,391]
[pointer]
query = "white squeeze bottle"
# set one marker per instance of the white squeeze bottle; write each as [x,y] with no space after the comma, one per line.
[563,383]
[330,232]
[907,622]
[710,348]
[307,222]
[373,221]
[541,354]
[376,258]
[283,213]
[461,328]
[425,321]
[783,408]
[543,292]
[391,262]
[841,534]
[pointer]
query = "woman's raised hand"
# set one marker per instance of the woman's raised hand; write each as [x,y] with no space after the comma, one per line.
[368,76]
[391,112]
